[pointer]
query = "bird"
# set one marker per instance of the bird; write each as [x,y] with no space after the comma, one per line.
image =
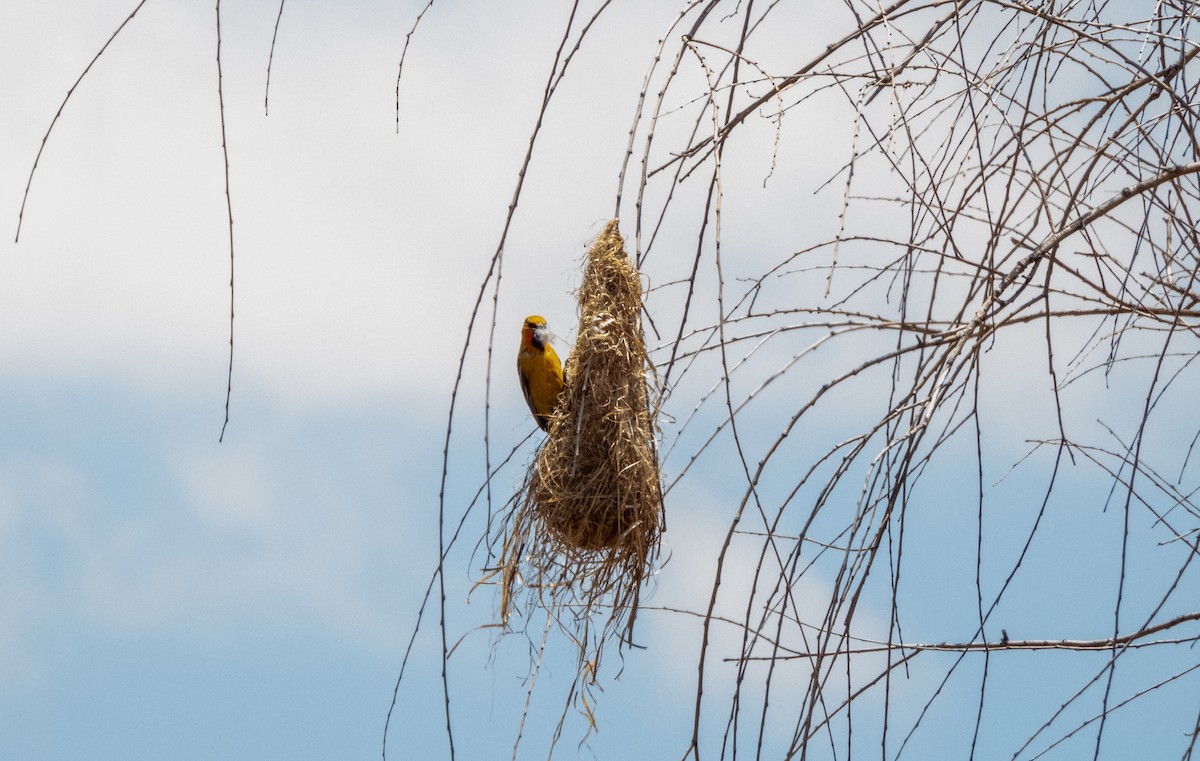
[540,370]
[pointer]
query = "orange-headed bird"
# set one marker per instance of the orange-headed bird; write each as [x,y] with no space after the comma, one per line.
[540,370]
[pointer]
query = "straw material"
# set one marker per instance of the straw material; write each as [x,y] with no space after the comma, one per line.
[585,529]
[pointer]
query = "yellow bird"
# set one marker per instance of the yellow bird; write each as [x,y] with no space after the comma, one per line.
[540,370]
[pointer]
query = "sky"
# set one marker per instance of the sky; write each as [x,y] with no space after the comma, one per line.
[169,595]
[166,594]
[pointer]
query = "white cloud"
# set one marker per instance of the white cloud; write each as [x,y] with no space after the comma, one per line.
[359,251]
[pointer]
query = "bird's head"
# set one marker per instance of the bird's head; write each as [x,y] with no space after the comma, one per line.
[535,333]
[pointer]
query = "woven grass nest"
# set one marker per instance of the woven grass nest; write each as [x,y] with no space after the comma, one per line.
[584,531]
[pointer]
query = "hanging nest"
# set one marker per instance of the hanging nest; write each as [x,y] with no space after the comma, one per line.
[584,531]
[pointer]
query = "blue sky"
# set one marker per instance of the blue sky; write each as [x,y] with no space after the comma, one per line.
[164,595]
